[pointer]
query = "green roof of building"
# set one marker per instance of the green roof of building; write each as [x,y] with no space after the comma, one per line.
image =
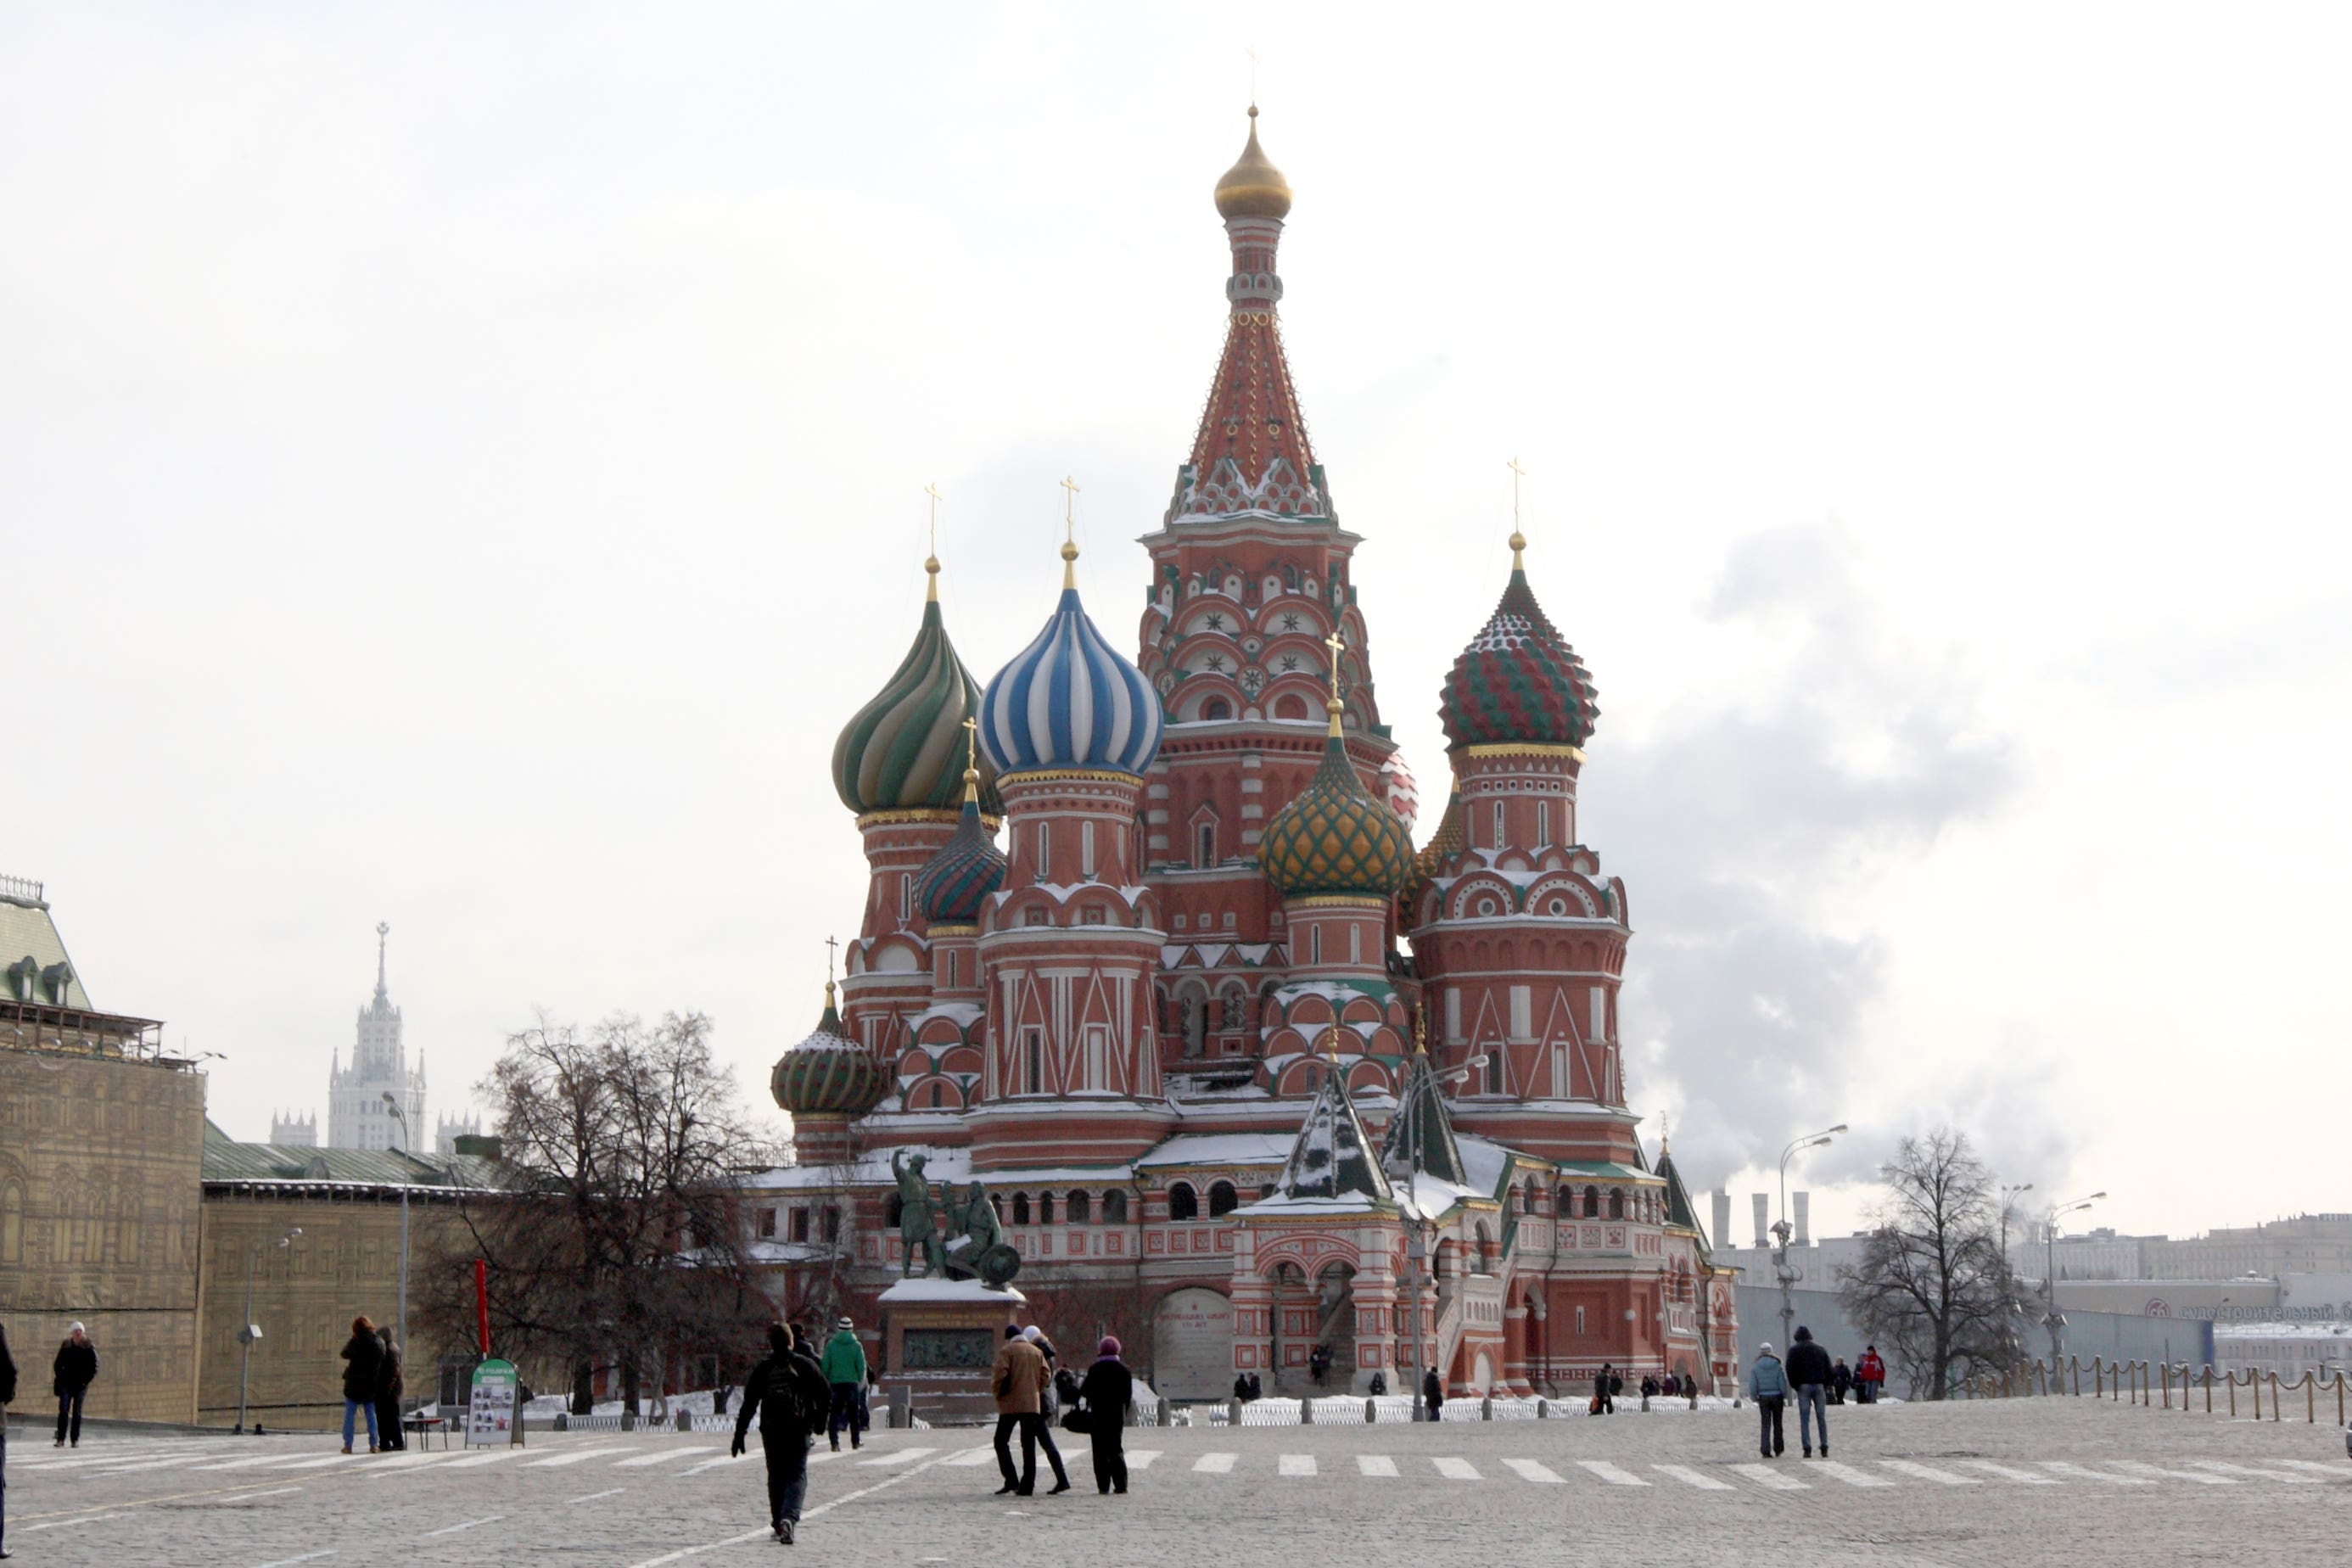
[227,1159]
[26,931]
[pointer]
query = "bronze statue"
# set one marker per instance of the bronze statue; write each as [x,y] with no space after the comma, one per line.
[918,1215]
[980,1248]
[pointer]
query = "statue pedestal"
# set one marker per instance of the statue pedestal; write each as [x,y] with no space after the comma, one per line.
[940,1338]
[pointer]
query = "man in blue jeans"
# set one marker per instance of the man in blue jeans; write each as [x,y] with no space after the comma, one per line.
[1809,1373]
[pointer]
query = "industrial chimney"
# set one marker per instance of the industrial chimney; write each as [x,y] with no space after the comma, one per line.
[1763,1201]
[1721,1235]
[1801,1211]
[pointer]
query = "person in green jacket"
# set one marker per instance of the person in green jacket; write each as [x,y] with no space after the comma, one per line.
[845,1371]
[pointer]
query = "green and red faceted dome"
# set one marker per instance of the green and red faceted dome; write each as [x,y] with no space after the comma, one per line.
[900,752]
[1518,682]
[829,1074]
[1333,839]
[957,880]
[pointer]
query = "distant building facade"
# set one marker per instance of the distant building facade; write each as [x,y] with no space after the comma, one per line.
[100,1134]
[357,1116]
[291,1131]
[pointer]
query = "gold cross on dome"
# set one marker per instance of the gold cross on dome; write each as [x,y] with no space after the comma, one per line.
[1338,645]
[1518,473]
[932,491]
[1069,510]
[1253,55]
[829,945]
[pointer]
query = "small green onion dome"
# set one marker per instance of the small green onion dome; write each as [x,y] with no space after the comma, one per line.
[829,1074]
[1518,682]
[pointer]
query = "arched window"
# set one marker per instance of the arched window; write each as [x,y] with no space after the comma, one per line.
[1215,709]
[1229,1008]
[1184,1203]
[1616,1203]
[1290,706]
[1045,1208]
[1115,1206]
[1020,1208]
[1205,844]
[1592,1203]
[829,1222]
[1223,1199]
[1079,1209]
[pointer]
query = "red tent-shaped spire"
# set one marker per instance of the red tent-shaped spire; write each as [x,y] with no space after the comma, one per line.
[1251,453]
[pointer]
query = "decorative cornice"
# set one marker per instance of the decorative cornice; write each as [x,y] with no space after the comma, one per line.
[896,818]
[1068,775]
[1522,749]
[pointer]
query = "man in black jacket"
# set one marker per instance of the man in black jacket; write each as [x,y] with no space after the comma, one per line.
[789,1393]
[1809,1374]
[76,1369]
[8,1398]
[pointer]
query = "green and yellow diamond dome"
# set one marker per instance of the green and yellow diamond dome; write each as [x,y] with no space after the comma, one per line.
[1334,840]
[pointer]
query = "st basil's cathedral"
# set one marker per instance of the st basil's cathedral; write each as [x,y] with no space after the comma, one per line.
[1148,959]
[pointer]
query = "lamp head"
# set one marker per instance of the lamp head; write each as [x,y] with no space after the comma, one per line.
[2095,1197]
[1838,1128]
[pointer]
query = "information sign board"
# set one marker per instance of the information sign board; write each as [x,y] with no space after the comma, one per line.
[490,1415]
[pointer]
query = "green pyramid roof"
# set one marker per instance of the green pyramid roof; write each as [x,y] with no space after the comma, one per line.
[1421,1135]
[1332,1157]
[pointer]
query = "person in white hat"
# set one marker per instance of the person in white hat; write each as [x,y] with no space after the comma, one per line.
[76,1369]
[845,1375]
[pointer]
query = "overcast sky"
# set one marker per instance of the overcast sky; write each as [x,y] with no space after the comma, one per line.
[462,467]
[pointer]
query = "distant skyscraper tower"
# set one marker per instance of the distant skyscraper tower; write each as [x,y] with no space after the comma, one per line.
[357,1116]
[295,1131]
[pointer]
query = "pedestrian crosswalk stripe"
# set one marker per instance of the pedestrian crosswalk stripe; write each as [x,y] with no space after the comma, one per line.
[1529,1470]
[1930,1473]
[2080,1473]
[1765,1475]
[2134,1467]
[972,1458]
[1215,1464]
[714,1464]
[1455,1469]
[900,1458]
[827,1454]
[249,1464]
[492,1458]
[575,1456]
[664,1457]
[1851,1476]
[1378,1466]
[2010,1473]
[1296,1465]
[321,1464]
[2310,1465]
[1610,1473]
[1139,1460]
[151,1465]
[2252,1472]
[1691,1477]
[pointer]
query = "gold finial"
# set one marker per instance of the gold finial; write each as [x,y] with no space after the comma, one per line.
[931,562]
[1331,1043]
[1665,1134]
[1420,1031]
[1518,540]
[970,761]
[1070,532]
[1332,705]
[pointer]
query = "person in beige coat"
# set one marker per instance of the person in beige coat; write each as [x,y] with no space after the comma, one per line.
[1019,1383]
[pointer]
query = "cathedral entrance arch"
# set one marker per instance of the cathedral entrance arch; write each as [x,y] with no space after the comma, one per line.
[1193,1344]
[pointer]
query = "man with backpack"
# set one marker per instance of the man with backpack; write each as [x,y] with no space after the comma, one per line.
[787,1391]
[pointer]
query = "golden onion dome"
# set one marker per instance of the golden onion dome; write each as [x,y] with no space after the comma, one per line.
[1253,187]
[1333,839]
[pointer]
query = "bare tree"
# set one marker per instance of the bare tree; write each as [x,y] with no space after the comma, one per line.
[618,1241]
[1932,1288]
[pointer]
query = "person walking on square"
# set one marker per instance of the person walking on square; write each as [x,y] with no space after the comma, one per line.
[1048,1398]
[388,1386]
[1604,1390]
[788,1392]
[1105,1393]
[8,1398]
[1432,1393]
[362,1358]
[1019,1383]
[1809,1374]
[1841,1381]
[1767,1384]
[1869,1376]
[76,1369]
[845,1375]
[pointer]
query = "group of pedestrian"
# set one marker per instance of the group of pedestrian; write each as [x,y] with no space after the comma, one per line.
[1815,1381]
[372,1386]
[1607,1384]
[1247,1388]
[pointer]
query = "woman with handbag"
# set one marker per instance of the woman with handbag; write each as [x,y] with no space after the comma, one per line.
[1103,1399]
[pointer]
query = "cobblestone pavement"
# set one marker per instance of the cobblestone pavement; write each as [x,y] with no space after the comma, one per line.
[1975,1484]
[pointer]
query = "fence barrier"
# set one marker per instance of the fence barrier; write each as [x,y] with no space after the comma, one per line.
[2147,1384]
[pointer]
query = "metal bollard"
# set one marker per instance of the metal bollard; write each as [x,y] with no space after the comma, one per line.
[1543,1409]
[685,1422]
[902,1408]
[1167,1413]
[1485,1407]
[1372,1413]
[563,1421]
[1306,1410]
[1233,1413]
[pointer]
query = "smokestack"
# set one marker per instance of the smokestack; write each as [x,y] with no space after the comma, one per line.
[1722,1235]
[1801,1213]
[1763,1202]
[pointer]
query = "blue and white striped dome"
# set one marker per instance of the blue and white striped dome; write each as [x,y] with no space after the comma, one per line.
[1069,700]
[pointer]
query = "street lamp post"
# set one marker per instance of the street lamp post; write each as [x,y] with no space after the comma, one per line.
[406,1138]
[1782,1231]
[2056,1321]
[246,1332]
